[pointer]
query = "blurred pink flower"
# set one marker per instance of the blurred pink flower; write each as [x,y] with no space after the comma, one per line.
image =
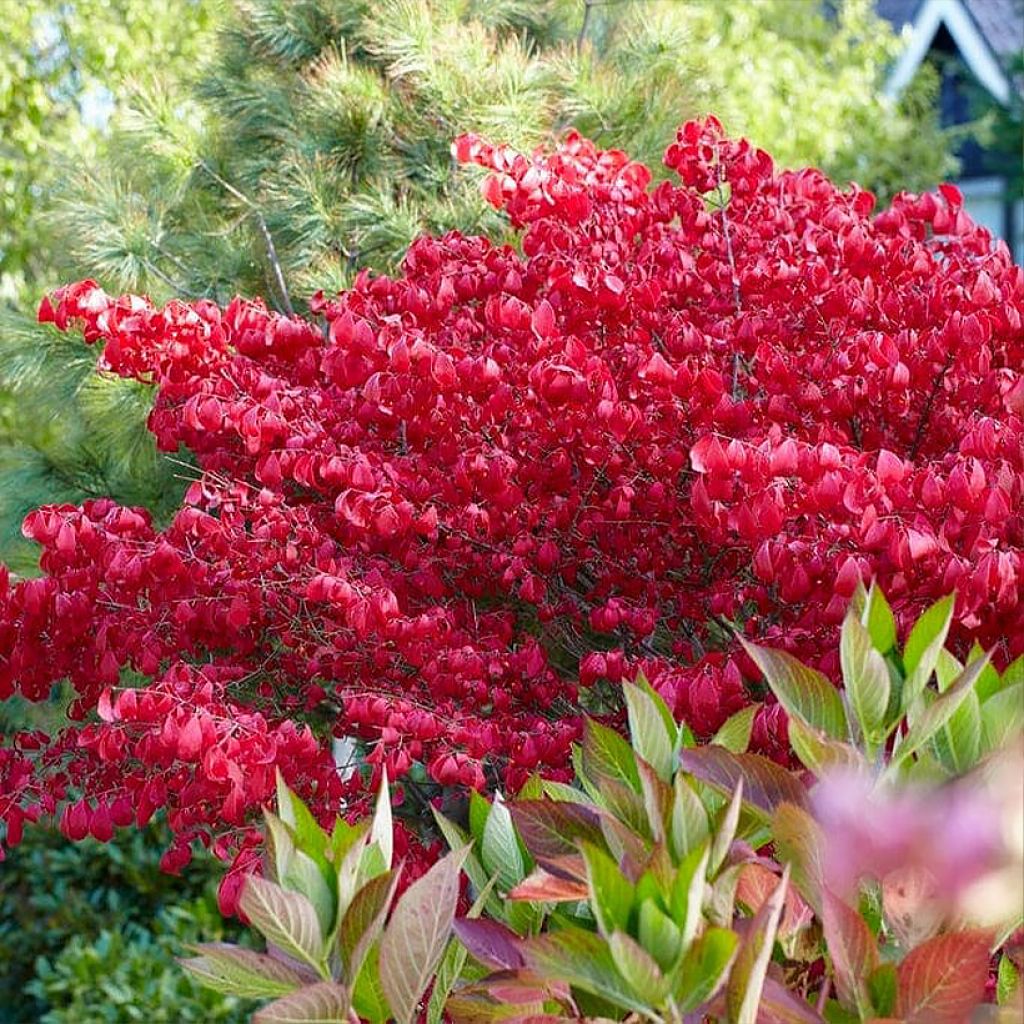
[945,839]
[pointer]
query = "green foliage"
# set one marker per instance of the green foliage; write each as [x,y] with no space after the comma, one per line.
[325,126]
[323,912]
[639,895]
[63,69]
[68,434]
[673,882]
[128,973]
[70,915]
[919,709]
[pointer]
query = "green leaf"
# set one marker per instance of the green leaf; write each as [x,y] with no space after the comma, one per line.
[805,693]
[852,949]
[236,971]
[725,830]
[1013,674]
[734,734]
[658,933]
[687,895]
[800,844]
[448,973]
[652,738]
[605,754]
[765,784]
[943,978]
[368,998]
[958,743]
[865,678]
[882,985]
[626,805]
[1002,716]
[936,714]
[639,968]
[310,838]
[287,919]
[298,872]
[499,848]
[689,825]
[611,893]
[479,812]
[417,934]
[746,980]
[819,753]
[280,846]
[581,959]
[363,922]
[921,653]
[704,969]
[382,829]
[323,1003]
[1007,980]
[878,619]
[657,802]
[452,964]
[720,900]
[554,791]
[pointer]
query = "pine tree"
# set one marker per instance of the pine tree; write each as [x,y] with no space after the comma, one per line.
[317,142]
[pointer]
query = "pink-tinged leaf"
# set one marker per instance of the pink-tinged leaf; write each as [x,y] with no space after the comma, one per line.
[805,693]
[765,784]
[417,934]
[746,981]
[483,1004]
[572,867]
[852,948]
[799,842]
[943,979]
[780,1006]
[490,942]
[543,887]
[364,921]
[756,883]
[323,1003]
[242,972]
[550,828]
[582,959]
[286,919]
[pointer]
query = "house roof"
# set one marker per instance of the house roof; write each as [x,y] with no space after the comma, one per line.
[1000,22]
[988,33]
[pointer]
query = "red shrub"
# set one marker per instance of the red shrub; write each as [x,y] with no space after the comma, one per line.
[500,477]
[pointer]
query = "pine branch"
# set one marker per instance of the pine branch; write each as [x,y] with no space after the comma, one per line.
[257,214]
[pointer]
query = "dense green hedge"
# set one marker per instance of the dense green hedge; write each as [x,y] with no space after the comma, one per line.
[88,933]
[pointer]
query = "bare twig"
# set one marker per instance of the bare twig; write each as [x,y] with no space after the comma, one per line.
[730,256]
[261,223]
[587,6]
[926,412]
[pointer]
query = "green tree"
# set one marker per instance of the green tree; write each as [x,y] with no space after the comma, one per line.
[64,68]
[316,141]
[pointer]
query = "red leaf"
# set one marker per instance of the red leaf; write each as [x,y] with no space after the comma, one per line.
[852,948]
[942,980]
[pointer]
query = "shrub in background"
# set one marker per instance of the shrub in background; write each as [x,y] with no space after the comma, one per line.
[84,924]
[128,973]
[482,493]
